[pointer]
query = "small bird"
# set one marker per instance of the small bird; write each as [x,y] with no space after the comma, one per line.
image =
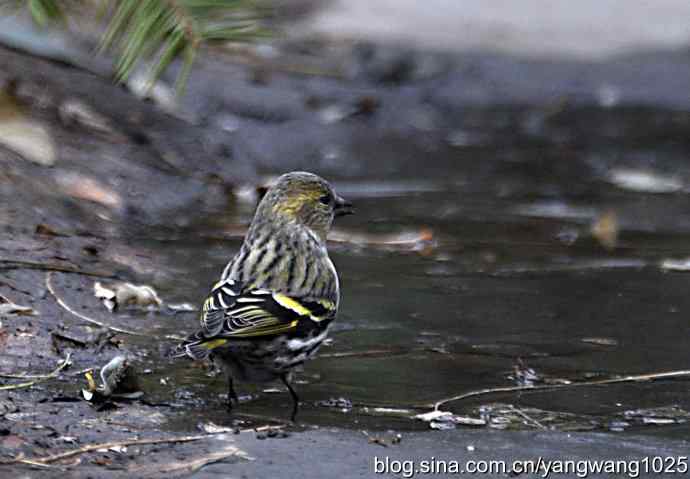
[276,299]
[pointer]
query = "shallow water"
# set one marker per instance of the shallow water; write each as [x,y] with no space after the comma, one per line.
[505,268]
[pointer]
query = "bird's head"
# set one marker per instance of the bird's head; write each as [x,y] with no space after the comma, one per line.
[303,198]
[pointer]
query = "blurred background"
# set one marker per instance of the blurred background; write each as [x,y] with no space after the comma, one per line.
[520,173]
[534,28]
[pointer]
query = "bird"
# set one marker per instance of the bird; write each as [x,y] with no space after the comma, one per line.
[278,296]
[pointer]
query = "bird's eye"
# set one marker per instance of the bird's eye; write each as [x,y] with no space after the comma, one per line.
[325,199]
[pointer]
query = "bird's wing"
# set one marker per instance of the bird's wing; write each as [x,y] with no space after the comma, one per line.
[253,315]
[233,311]
[224,296]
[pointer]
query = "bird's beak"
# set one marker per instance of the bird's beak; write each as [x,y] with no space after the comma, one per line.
[343,207]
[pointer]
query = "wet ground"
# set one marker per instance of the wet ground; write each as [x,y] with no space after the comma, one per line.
[470,264]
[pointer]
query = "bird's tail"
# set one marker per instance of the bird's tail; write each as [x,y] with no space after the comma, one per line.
[195,346]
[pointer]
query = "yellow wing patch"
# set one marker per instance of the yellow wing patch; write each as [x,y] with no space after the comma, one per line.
[264,330]
[328,304]
[258,312]
[325,309]
[289,303]
[214,343]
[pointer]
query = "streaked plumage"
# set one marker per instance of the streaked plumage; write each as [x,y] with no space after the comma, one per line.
[275,301]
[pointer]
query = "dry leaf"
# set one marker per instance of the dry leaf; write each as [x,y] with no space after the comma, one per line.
[676,264]
[7,308]
[181,307]
[392,411]
[605,229]
[433,415]
[74,111]
[47,230]
[105,294]
[90,189]
[127,294]
[212,428]
[139,83]
[24,135]
[644,181]
[448,420]
[102,461]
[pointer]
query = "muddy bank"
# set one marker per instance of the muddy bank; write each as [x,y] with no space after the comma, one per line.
[347,111]
[351,454]
[113,158]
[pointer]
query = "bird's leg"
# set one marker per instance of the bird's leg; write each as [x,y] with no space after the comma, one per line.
[232,395]
[293,394]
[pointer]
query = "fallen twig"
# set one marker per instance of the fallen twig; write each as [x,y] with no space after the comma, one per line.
[375,440]
[528,418]
[65,306]
[195,464]
[367,353]
[105,445]
[544,387]
[279,423]
[14,287]
[36,464]
[40,378]
[19,264]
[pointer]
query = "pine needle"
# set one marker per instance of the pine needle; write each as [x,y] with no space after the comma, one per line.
[157,32]
[163,30]
[40,378]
